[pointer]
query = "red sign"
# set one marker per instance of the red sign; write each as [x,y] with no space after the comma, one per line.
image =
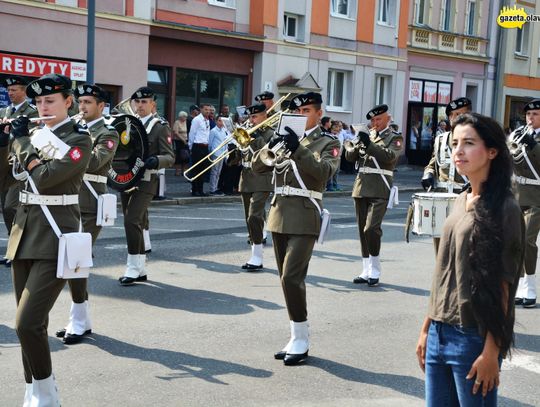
[33,66]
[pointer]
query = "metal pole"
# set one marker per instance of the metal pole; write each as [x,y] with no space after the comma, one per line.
[90,41]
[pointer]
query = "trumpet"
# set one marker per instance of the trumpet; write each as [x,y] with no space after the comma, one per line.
[515,145]
[351,145]
[240,136]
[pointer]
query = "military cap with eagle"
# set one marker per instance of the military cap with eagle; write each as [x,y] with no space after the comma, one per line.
[377,110]
[264,96]
[48,85]
[457,104]
[144,92]
[14,80]
[532,105]
[90,90]
[256,108]
[305,99]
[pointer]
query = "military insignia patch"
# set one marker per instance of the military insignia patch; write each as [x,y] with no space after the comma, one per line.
[110,144]
[398,143]
[37,88]
[335,151]
[75,154]
[124,138]
[169,139]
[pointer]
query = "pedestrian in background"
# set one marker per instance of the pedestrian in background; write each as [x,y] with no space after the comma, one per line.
[335,129]
[217,135]
[181,148]
[469,327]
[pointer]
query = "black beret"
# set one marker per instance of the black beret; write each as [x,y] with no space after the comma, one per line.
[90,90]
[143,92]
[305,99]
[457,104]
[256,108]
[48,85]
[264,96]
[14,80]
[532,105]
[194,107]
[377,110]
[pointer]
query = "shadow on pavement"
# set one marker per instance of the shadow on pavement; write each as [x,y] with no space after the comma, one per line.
[382,287]
[528,342]
[171,297]
[182,365]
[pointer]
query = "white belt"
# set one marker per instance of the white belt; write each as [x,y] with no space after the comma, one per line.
[369,170]
[306,193]
[28,198]
[526,181]
[246,164]
[95,178]
[148,175]
[454,185]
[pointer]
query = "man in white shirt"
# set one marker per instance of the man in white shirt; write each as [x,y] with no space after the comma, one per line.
[199,135]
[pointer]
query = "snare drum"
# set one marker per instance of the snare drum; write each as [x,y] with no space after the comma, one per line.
[430,210]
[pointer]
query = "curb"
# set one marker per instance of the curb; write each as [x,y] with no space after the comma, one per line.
[237,198]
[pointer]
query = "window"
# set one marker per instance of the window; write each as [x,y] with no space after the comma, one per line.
[293,27]
[158,80]
[446,15]
[223,3]
[342,8]
[387,12]
[338,89]
[421,12]
[470,17]
[382,89]
[522,40]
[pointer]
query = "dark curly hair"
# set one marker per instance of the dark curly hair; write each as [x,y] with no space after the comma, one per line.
[486,239]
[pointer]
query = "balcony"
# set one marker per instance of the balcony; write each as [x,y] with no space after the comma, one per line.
[445,42]
[471,46]
[421,38]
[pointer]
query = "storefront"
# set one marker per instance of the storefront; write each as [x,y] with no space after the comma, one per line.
[187,68]
[426,108]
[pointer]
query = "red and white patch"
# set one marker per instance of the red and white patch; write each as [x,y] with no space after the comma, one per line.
[169,139]
[398,143]
[75,154]
[110,144]
[335,152]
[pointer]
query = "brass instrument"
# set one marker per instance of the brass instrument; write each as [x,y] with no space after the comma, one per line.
[241,136]
[515,145]
[351,145]
[124,107]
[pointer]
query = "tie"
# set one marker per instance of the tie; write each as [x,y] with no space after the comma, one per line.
[13,110]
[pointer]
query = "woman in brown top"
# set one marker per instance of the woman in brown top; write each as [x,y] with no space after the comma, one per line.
[469,327]
[180,143]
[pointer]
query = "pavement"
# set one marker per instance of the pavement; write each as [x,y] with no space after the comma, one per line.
[178,189]
[202,332]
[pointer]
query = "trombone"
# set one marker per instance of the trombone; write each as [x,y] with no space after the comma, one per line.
[240,136]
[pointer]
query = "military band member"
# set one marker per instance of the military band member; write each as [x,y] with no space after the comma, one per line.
[91,100]
[376,157]
[440,174]
[267,99]
[255,188]
[33,245]
[525,148]
[135,202]
[9,188]
[295,213]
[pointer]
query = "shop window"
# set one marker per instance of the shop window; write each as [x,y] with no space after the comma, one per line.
[382,89]
[223,3]
[158,80]
[387,12]
[196,87]
[522,40]
[471,91]
[446,15]
[470,20]
[343,8]
[338,89]
[421,9]
[293,27]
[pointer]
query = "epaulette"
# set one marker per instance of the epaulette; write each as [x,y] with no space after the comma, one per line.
[397,133]
[163,121]
[324,133]
[80,129]
[110,127]
[32,106]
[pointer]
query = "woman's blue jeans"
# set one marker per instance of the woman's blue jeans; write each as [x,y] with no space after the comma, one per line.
[451,351]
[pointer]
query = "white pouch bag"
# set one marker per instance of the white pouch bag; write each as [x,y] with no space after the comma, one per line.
[106,210]
[74,255]
[326,219]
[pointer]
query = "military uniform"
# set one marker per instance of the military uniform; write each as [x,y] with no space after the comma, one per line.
[295,220]
[371,193]
[255,189]
[33,245]
[9,188]
[136,201]
[104,143]
[527,190]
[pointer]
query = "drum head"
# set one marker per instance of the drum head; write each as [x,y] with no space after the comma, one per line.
[127,166]
[435,196]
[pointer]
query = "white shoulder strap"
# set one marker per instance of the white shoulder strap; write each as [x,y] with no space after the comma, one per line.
[91,188]
[301,182]
[529,163]
[45,210]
